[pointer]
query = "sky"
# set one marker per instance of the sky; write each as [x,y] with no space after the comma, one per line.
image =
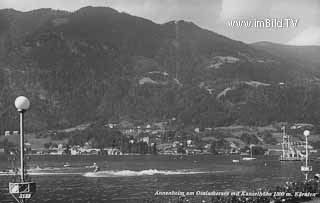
[300,19]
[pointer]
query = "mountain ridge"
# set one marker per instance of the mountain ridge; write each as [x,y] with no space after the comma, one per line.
[100,64]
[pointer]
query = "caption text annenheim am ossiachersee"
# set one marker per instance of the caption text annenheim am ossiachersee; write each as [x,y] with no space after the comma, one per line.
[235,193]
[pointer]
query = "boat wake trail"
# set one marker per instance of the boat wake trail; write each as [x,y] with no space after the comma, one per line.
[36,169]
[148,172]
[114,173]
[38,173]
[44,169]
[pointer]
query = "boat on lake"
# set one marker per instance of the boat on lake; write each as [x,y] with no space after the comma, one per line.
[249,158]
[289,151]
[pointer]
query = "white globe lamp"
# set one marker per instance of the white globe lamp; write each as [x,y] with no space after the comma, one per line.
[306,133]
[22,103]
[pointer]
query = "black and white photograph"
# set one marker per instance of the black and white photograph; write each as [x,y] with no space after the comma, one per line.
[159,101]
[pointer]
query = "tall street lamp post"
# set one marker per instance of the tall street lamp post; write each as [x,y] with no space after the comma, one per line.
[24,189]
[22,104]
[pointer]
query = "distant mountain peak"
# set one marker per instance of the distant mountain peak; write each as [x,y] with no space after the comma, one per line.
[98,9]
[98,63]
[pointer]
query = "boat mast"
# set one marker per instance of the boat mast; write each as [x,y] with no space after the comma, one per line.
[283,142]
[306,169]
[306,135]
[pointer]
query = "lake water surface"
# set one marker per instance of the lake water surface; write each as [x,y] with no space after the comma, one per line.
[140,177]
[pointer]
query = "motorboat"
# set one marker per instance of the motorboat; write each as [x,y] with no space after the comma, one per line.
[249,158]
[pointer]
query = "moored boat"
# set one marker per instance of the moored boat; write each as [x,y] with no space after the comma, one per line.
[249,158]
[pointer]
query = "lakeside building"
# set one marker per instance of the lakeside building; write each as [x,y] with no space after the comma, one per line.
[27,148]
[9,133]
[234,149]
[145,139]
[77,150]
[112,125]
[193,151]
[56,152]
[112,151]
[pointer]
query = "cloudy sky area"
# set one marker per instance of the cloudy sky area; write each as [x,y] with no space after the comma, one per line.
[210,14]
